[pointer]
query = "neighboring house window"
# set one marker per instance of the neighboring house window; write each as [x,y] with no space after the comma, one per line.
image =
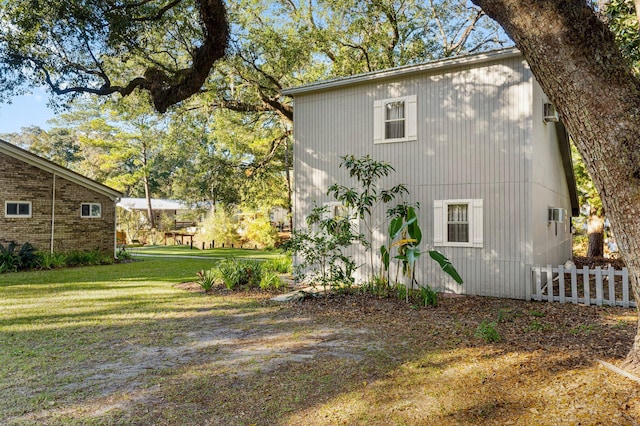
[17,209]
[338,210]
[91,210]
[395,120]
[457,223]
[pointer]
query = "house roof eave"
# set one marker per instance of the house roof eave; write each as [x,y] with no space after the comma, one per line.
[567,164]
[51,167]
[441,65]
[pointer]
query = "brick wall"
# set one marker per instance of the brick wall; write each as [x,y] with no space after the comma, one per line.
[22,182]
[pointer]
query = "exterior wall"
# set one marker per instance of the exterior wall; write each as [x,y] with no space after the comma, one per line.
[552,243]
[23,182]
[474,141]
[73,232]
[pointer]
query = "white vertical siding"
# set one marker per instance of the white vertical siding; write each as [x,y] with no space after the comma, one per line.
[474,142]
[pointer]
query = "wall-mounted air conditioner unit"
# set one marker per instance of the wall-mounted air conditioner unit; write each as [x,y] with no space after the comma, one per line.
[556,214]
[550,114]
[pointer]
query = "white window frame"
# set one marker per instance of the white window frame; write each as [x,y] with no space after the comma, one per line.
[91,215]
[410,119]
[355,223]
[17,215]
[440,222]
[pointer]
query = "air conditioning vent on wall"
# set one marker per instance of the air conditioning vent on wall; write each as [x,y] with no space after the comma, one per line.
[556,214]
[550,113]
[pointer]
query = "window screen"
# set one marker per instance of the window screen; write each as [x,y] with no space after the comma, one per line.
[394,121]
[458,223]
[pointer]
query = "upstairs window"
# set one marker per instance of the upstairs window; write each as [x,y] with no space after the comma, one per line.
[17,209]
[395,120]
[90,210]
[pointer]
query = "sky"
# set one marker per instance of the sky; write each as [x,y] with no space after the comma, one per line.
[25,111]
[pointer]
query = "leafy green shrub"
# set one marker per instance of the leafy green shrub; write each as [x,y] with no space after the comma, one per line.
[401,291]
[259,230]
[222,227]
[321,249]
[12,260]
[51,260]
[206,279]
[88,258]
[236,273]
[9,259]
[281,265]
[428,296]
[123,255]
[271,281]
[487,331]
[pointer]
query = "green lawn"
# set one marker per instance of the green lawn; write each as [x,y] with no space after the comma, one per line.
[61,330]
[128,344]
[217,253]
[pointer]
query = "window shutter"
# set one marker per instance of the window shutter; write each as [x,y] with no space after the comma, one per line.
[438,223]
[477,223]
[378,121]
[412,118]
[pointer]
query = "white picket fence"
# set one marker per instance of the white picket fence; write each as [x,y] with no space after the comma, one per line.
[585,285]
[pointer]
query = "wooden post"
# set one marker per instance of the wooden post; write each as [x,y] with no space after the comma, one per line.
[612,290]
[574,285]
[550,283]
[599,290]
[585,281]
[561,283]
[625,287]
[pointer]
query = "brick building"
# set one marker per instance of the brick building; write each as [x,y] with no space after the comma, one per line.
[51,207]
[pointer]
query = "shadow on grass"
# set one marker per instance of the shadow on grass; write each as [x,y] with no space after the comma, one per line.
[188,358]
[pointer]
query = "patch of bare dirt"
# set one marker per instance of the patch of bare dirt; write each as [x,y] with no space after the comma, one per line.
[603,262]
[360,359]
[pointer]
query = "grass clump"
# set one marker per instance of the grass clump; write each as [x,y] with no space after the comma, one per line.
[282,265]
[206,279]
[271,281]
[428,296]
[488,332]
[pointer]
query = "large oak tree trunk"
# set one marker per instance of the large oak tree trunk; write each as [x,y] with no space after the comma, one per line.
[576,61]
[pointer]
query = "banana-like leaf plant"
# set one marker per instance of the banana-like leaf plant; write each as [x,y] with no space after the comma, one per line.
[405,226]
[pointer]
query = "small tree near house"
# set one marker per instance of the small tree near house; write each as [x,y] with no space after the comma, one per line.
[323,244]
